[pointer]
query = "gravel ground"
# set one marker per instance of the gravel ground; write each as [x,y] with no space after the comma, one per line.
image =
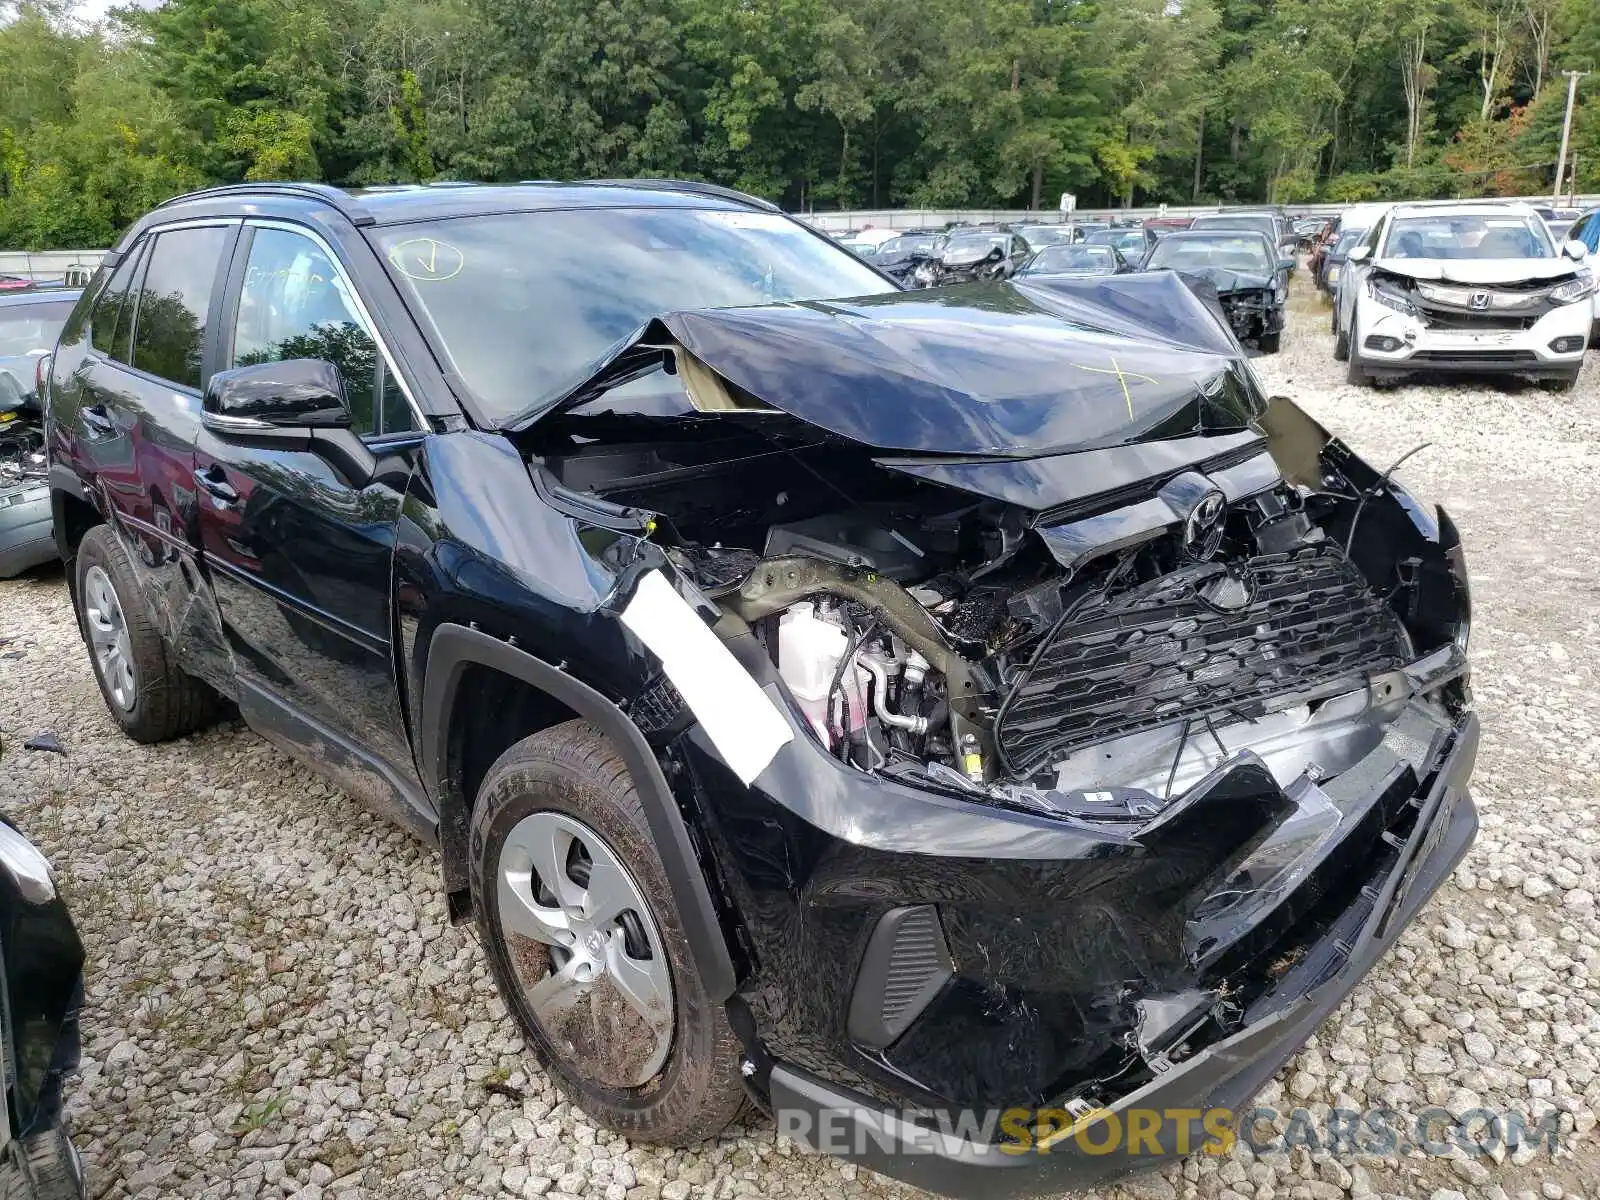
[279,1007]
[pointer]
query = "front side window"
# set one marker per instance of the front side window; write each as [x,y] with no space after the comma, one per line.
[523,305]
[295,303]
[174,301]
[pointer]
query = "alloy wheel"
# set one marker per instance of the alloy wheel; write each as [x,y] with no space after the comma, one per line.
[108,637]
[588,956]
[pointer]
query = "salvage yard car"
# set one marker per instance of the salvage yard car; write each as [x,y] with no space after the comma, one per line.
[41,991]
[1086,258]
[30,322]
[1463,288]
[1251,283]
[970,255]
[899,257]
[881,705]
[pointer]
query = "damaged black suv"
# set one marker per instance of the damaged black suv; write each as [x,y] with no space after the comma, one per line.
[892,709]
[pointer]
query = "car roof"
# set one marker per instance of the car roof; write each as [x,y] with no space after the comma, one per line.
[1460,208]
[1212,235]
[41,295]
[401,203]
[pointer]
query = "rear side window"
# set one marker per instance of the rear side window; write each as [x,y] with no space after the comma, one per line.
[112,308]
[174,301]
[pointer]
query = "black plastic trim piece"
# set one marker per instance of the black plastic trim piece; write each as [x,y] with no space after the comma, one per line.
[64,479]
[329,752]
[455,648]
[906,964]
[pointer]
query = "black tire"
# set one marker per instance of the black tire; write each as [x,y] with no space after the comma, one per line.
[1561,383]
[41,1166]
[1355,374]
[574,770]
[167,702]
[1270,343]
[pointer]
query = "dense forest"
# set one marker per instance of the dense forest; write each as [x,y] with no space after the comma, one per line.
[814,103]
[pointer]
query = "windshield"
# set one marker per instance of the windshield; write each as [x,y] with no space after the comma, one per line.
[1073,258]
[1246,254]
[902,247]
[967,243]
[1046,235]
[1467,237]
[1122,239]
[33,328]
[522,305]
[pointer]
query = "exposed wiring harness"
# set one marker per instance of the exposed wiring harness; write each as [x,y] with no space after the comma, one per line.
[1377,490]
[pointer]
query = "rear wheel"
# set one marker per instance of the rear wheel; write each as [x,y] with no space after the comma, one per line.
[588,947]
[146,692]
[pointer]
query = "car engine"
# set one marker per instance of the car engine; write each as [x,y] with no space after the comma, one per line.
[1135,670]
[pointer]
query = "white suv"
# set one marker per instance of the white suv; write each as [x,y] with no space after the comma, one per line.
[1463,287]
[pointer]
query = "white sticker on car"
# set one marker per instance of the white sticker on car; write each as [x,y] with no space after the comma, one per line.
[740,719]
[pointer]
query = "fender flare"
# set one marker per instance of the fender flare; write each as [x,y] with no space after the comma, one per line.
[455,648]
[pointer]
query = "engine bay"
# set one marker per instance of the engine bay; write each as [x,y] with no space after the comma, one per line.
[1107,653]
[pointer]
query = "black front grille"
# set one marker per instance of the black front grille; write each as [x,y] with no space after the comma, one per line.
[1455,318]
[1472,356]
[1203,640]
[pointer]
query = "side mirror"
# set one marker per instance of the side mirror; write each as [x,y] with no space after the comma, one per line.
[297,393]
[1358,254]
[1286,264]
[296,404]
[1575,250]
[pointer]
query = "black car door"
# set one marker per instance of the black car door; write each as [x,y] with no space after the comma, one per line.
[132,408]
[298,546]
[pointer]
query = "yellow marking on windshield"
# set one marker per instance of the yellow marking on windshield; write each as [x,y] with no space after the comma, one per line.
[1122,378]
[426,259]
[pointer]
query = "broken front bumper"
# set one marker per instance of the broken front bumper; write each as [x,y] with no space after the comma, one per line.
[1175,1111]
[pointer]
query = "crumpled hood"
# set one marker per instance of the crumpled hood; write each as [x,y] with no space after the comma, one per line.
[1226,281]
[988,369]
[1480,270]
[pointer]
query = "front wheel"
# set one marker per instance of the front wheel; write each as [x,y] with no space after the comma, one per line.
[1270,343]
[41,1166]
[1561,383]
[587,944]
[1355,374]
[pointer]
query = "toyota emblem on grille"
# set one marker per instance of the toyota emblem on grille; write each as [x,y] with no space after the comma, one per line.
[1202,530]
[1478,300]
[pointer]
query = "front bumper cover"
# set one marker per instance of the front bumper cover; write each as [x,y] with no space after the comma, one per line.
[1225,1075]
[1422,347]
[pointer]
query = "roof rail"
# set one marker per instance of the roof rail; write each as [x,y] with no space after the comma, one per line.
[687,185]
[326,193]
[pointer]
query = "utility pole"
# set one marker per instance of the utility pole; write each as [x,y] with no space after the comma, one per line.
[1566,128]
